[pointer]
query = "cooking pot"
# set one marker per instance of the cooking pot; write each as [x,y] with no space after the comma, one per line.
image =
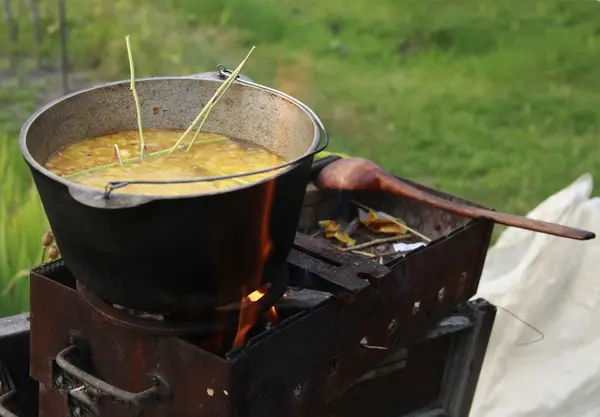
[175,254]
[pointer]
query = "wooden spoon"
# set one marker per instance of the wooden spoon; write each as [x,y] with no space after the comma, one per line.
[359,174]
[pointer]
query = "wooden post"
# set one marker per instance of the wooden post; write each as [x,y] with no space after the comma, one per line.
[13,34]
[35,19]
[63,45]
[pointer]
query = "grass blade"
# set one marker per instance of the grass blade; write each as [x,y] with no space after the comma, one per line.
[208,107]
[136,98]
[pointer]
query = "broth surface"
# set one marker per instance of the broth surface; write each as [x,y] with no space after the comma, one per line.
[211,155]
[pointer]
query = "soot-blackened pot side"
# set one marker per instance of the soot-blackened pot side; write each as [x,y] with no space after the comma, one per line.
[174,255]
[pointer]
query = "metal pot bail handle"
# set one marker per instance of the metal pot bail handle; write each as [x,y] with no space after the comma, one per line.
[220,74]
[5,398]
[223,72]
[160,389]
[115,185]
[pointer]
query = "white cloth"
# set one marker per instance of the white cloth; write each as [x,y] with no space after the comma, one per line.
[553,284]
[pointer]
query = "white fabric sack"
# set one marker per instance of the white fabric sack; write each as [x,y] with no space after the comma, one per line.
[553,284]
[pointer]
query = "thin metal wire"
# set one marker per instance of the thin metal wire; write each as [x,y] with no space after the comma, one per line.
[535,329]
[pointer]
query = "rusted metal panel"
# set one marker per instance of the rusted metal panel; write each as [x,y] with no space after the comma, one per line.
[469,327]
[414,383]
[435,376]
[56,404]
[293,369]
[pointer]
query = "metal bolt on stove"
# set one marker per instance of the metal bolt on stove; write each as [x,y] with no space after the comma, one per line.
[440,294]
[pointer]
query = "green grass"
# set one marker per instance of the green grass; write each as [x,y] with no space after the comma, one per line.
[22,219]
[496,100]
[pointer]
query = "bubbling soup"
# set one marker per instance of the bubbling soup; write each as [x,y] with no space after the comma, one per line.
[211,155]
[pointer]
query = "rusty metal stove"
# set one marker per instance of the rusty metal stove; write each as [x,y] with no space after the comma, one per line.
[343,316]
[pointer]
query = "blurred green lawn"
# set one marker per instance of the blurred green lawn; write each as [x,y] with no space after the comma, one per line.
[493,100]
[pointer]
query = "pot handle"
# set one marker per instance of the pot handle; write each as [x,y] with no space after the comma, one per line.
[219,75]
[159,391]
[222,73]
[97,199]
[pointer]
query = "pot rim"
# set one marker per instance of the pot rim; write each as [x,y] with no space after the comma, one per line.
[151,197]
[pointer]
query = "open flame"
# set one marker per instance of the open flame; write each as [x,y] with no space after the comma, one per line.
[271,314]
[249,315]
[293,78]
[255,295]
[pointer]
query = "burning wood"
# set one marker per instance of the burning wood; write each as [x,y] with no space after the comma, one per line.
[248,316]
[271,314]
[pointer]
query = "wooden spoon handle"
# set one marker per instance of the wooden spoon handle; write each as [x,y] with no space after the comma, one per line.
[394,185]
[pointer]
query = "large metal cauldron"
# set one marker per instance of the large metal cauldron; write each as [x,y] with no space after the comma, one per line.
[184,254]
